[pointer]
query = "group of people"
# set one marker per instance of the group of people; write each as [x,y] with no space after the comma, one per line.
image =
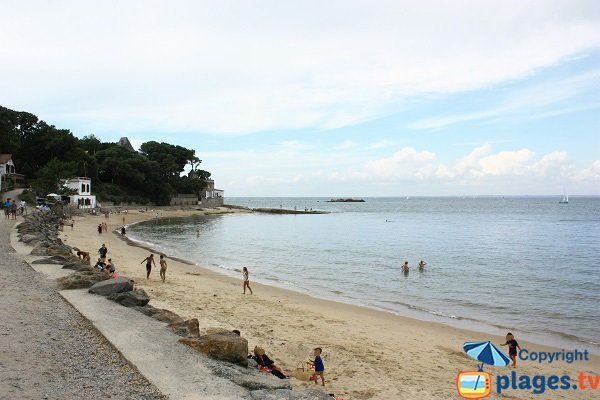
[150,262]
[104,265]
[406,268]
[11,209]
[102,228]
[267,365]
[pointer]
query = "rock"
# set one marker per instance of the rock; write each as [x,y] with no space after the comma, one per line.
[252,363]
[58,250]
[226,346]
[39,250]
[52,260]
[77,265]
[28,238]
[110,286]
[249,378]
[81,279]
[285,394]
[188,328]
[134,298]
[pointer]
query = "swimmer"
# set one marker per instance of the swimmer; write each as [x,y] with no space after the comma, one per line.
[405,266]
[422,264]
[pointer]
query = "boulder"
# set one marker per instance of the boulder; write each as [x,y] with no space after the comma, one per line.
[39,250]
[249,378]
[53,260]
[226,346]
[188,328]
[81,279]
[28,238]
[133,298]
[76,265]
[58,250]
[110,286]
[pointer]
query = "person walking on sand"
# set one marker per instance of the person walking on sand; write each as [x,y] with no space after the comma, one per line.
[99,229]
[102,251]
[149,261]
[163,267]
[513,345]
[246,280]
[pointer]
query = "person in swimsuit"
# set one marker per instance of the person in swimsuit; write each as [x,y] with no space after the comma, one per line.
[513,345]
[246,280]
[422,264]
[163,267]
[149,261]
[405,267]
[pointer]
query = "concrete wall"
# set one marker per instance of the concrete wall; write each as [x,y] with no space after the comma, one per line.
[212,202]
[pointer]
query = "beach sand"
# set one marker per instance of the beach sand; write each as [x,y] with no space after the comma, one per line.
[368,354]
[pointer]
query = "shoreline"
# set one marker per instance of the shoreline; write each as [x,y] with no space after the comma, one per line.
[360,341]
[552,339]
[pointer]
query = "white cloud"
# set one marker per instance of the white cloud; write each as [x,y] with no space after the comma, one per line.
[405,163]
[238,67]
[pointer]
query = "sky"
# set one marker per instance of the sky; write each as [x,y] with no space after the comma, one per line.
[334,98]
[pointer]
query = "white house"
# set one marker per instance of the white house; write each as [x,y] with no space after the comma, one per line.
[84,197]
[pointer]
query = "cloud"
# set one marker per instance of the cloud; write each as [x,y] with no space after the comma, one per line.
[405,163]
[233,68]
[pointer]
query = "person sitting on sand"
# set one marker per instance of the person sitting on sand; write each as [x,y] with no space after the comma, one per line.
[149,261]
[110,267]
[405,266]
[512,348]
[100,265]
[422,264]
[163,267]
[246,275]
[265,362]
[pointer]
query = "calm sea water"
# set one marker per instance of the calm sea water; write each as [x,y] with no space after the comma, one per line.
[525,264]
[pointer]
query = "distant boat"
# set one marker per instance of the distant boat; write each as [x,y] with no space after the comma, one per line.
[565,199]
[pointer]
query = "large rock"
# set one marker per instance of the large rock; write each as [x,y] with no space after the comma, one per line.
[58,250]
[28,238]
[54,260]
[160,314]
[188,328]
[81,279]
[110,286]
[225,346]
[39,250]
[76,265]
[134,298]
[249,378]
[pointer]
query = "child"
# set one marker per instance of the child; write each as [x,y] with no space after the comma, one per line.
[246,280]
[319,367]
[512,348]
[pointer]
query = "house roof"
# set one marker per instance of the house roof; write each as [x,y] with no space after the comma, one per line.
[4,158]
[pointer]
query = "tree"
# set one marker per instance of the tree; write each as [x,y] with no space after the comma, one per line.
[52,174]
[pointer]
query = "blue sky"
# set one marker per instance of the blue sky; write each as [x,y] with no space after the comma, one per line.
[343,98]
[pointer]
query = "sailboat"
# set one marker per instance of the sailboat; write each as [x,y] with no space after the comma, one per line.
[565,199]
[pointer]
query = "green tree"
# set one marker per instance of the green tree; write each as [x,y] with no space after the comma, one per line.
[51,175]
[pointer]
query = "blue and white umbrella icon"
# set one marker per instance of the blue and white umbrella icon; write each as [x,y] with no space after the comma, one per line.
[486,353]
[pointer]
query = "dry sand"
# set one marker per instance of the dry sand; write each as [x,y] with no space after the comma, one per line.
[367,353]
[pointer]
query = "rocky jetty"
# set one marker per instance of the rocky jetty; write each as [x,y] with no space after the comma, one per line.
[345,201]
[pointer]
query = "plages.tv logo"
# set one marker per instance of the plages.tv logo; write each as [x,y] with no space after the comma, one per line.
[478,384]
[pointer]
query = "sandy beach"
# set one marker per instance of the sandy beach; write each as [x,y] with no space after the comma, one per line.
[368,354]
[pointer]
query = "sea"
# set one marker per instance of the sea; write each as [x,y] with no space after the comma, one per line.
[526,264]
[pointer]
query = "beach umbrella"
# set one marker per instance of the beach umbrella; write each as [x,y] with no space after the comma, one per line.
[486,353]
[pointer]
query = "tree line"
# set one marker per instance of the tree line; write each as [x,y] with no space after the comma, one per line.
[47,156]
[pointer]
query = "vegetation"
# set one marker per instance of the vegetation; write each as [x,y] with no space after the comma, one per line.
[47,156]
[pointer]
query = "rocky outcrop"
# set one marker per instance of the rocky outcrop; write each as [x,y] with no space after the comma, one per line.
[59,260]
[81,279]
[110,286]
[134,298]
[76,265]
[187,328]
[249,378]
[224,346]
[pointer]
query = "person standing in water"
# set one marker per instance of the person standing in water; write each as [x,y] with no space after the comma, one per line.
[149,261]
[246,280]
[163,268]
[405,267]
[422,264]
